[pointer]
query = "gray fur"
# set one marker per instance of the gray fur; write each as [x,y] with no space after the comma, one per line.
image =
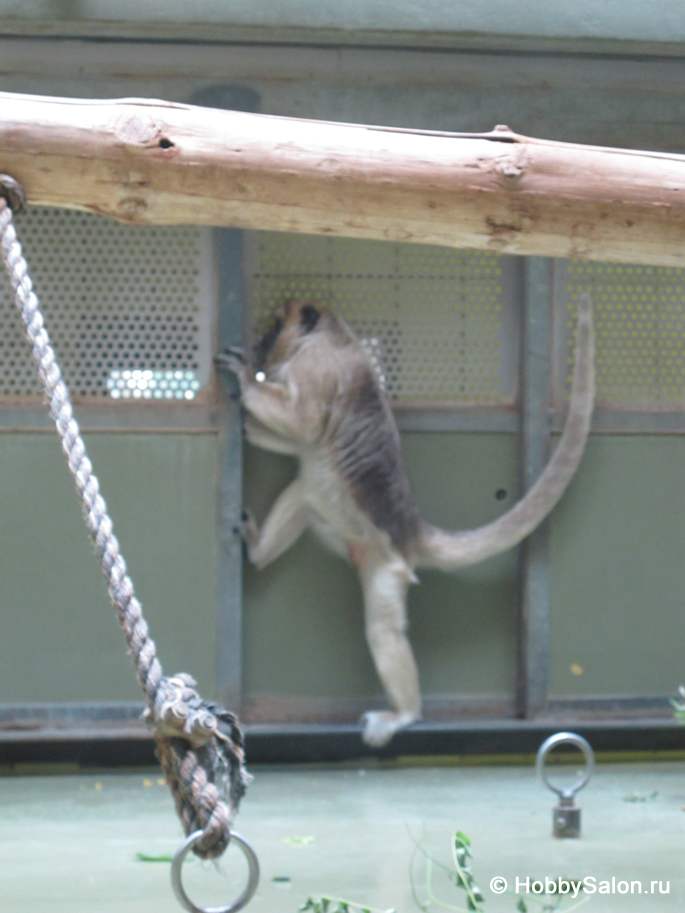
[367,453]
[358,432]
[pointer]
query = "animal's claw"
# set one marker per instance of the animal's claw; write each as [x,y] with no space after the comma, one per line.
[231,359]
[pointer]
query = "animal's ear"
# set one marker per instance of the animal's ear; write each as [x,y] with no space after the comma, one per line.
[309,317]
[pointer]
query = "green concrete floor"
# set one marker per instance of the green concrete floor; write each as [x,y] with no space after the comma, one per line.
[69,842]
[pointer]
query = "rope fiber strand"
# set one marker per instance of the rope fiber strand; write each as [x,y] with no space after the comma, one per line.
[199,744]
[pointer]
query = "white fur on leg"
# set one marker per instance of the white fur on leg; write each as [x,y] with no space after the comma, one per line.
[381,725]
[384,579]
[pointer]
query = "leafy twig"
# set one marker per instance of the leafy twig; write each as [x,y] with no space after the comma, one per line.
[679,706]
[429,890]
[327,904]
[462,876]
[461,853]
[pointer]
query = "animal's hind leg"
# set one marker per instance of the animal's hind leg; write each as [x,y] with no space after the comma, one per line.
[283,526]
[385,581]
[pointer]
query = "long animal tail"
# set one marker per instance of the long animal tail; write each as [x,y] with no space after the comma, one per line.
[446,550]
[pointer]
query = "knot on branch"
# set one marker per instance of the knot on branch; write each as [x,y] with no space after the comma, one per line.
[509,168]
[201,749]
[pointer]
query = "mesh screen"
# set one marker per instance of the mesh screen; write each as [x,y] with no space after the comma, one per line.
[640,330]
[114,297]
[441,325]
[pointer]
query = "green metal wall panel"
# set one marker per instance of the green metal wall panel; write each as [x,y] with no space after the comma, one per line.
[340,21]
[632,103]
[303,614]
[59,640]
[618,586]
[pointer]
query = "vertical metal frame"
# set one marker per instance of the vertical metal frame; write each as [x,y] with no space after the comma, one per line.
[229,578]
[534,636]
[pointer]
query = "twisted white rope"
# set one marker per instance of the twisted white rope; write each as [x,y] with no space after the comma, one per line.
[197,742]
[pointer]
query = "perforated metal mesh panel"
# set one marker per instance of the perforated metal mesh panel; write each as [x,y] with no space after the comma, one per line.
[640,330]
[440,324]
[114,298]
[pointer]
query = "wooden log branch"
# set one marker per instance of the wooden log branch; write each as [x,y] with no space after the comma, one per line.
[158,163]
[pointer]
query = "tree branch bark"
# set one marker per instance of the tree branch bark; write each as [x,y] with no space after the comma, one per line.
[158,163]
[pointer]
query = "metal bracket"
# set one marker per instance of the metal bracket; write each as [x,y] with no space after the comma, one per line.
[566,814]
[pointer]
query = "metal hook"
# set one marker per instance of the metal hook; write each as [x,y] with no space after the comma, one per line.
[245,897]
[565,738]
[566,815]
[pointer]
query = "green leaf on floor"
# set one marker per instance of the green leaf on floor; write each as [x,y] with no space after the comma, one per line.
[154,857]
[299,841]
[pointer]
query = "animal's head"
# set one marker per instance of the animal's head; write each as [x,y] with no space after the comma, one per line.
[292,323]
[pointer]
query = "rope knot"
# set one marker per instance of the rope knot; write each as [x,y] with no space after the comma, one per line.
[201,749]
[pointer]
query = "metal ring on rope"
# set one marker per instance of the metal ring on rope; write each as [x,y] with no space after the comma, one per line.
[252,878]
[565,738]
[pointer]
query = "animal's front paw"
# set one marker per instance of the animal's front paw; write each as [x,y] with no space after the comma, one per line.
[235,352]
[232,359]
[381,725]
